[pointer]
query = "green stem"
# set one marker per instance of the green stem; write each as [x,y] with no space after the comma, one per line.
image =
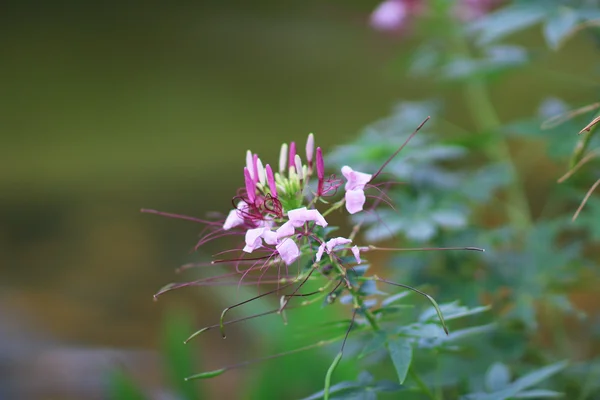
[486,120]
[426,391]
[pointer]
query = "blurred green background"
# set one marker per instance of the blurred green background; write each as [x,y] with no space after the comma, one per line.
[110,107]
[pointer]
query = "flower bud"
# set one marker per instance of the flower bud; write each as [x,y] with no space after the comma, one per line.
[310,149]
[292,155]
[249,162]
[298,164]
[271,181]
[283,154]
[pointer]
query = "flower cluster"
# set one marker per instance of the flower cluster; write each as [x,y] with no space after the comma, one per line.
[282,217]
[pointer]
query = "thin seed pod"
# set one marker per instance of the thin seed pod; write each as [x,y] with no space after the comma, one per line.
[585,199]
[428,297]
[222,324]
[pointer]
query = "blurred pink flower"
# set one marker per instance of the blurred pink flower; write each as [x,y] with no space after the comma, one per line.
[392,15]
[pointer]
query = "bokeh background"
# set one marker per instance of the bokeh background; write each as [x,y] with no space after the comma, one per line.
[106,108]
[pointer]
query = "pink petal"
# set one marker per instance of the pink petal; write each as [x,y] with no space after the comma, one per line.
[253,239]
[250,185]
[356,252]
[270,237]
[234,218]
[285,230]
[301,215]
[288,250]
[356,180]
[320,252]
[338,241]
[355,200]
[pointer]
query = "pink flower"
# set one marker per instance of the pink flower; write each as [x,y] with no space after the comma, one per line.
[355,195]
[390,15]
[301,215]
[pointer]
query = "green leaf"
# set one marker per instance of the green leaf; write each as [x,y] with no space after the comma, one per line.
[378,341]
[559,26]
[393,298]
[342,387]
[369,288]
[518,387]
[451,311]
[497,377]
[332,368]
[122,387]
[537,376]
[538,394]
[508,20]
[400,350]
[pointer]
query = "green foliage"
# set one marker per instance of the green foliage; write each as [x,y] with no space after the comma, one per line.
[452,184]
[363,388]
[122,387]
[499,387]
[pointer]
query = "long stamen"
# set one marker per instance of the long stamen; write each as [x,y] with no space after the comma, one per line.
[428,297]
[371,247]
[222,325]
[179,216]
[400,148]
[211,374]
